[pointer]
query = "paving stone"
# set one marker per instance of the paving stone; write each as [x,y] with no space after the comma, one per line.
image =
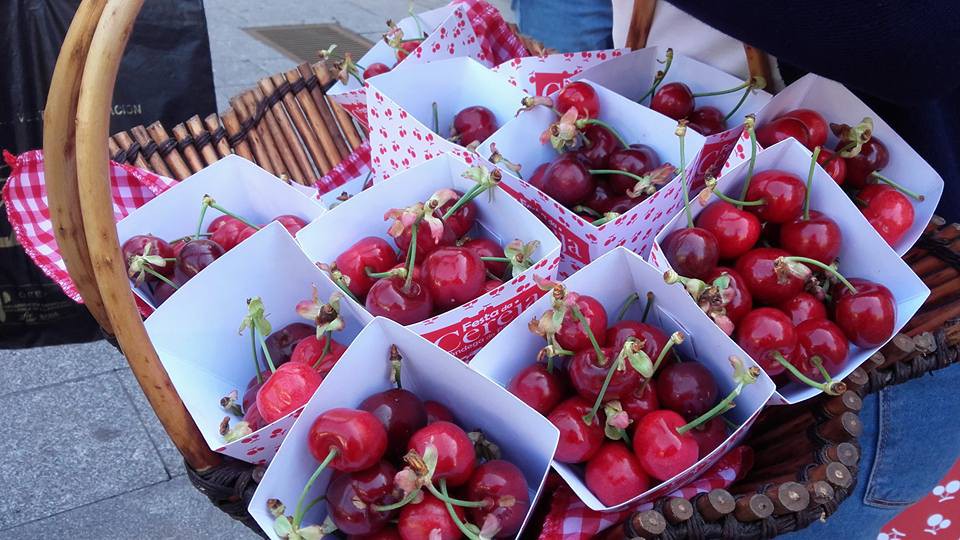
[69,445]
[170,456]
[52,365]
[169,510]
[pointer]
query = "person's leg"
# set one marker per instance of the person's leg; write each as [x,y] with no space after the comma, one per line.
[567,25]
[909,442]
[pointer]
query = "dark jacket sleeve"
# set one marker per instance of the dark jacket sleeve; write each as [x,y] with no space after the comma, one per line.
[901,51]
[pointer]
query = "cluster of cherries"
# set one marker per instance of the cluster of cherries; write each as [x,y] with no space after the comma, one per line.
[162,267]
[855,164]
[346,67]
[617,409]
[439,267]
[403,469]
[764,268]
[597,174]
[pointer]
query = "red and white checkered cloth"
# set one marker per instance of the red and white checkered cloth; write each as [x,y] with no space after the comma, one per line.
[356,164]
[570,519]
[497,40]
[25,197]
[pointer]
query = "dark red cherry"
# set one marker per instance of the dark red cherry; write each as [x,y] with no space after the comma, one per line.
[740,301]
[454,276]
[137,245]
[782,129]
[817,238]
[282,342]
[426,241]
[390,298]
[890,212]
[623,204]
[867,317]
[817,128]
[162,291]
[251,415]
[674,100]
[195,256]
[692,251]
[461,221]
[763,332]
[767,283]
[370,252]
[429,519]
[402,414]
[600,200]
[709,435]
[536,179]
[663,452]
[587,375]
[581,96]
[641,400]
[783,193]
[578,441]
[474,124]
[387,533]
[873,157]
[835,165]
[538,388]
[437,412]
[490,285]
[708,121]
[571,335]
[687,388]
[291,223]
[485,247]
[374,69]
[351,497]
[288,389]
[568,181]
[614,475]
[803,307]
[823,339]
[250,394]
[736,230]
[639,161]
[456,458]
[357,436]
[601,142]
[502,485]
[653,339]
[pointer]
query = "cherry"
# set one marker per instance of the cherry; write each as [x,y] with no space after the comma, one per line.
[765,332]
[391,298]
[587,374]
[250,395]
[708,121]
[402,414]
[310,351]
[491,284]
[652,338]
[823,339]
[663,452]
[474,124]
[621,205]
[889,212]
[429,518]
[374,69]
[835,165]
[638,161]
[578,441]
[351,498]
[873,157]
[177,245]
[709,436]
[162,291]
[601,142]
[641,400]
[818,237]
[426,242]
[281,343]
[767,281]
[817,128]
[687,388]
[371,252]
[502,486]
[228,235]
[356,439]
[803,307]
[388,533]
[783,194]
[740,301]
[600,200]
[407,47]
[437,412]
[536,386]
[581,96]
[692,251]
[461,221]
[781,129]
[537,178]
[288,389]
[614,475]
[137,246]
[456,458]
[736,230]
[220,221]
[484,247]
[674,100]
[568,181]
[866,316]
[454,276]
[571,335]
[291,223]
[251,415]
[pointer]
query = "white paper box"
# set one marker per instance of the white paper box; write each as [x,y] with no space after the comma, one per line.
[526,439]
[464,329]
[544,75]
[236,184]
[610,279]
[840,106]
[519,142]
[195,331]
[400,107]
[863,253]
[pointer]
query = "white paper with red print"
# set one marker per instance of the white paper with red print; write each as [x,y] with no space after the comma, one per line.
[839,105]
[525,438]
[236,184]
[863,253]
[195,331]
[519,142]
[611,279]
[463,330]
[544,75]
[400,106]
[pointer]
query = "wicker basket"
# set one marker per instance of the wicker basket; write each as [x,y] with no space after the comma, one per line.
[807,454]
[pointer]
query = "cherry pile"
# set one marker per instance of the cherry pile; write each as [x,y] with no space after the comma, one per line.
[764,268]
[404,469]
[855,163]
[439,266]
[345,67]
[618,411]
[160,267]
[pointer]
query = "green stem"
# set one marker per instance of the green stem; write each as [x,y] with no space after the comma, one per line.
[659,77]
[256,357]
[590,416]
[626,305]
[158,275]
[399,504]
[827,387]
[909,193]
[328,337]
[412,253]
[646,309]
[453,513]
[586,210]
[625,437]
[826,268]
[346,290]
[313,503]
[610,216]
[806,198]
[630,175]
[823,371]
[739,203]
[753,159]
[356,77]
[416,19]
[587,121]
[436,118]
[456,502]
[381,275]
[663,353]
[683,180]
[741,86]
[203,213]
[298,513]
[216,206]
[601,358]
[467,197]
[740,102]
[496,259]
[266,351]
[719,408]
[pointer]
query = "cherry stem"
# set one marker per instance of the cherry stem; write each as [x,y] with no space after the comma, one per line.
[626,305]
[453,513]
[158,275]
[471,194]
[740,102]
[909,193]
[823,371]
[753,157]
[607,218]
[594,121]
[313,503]
[356,76]
[416,19]
[496,259]
[637,178]
[256,357]
[298,514]
[346,290]
[590,416]
[625,436]
[825,267]
[719,408]
[436,118]
[586,210]
[745,84]
[724,197]
[829,387]
[399,504]
[646,309]
[456,502]
[681,174]
[661,74]
[266,351]
[387,274]
[602,358]
[806,198]
[411,254]
[216,206]
[328,337]
[663,352]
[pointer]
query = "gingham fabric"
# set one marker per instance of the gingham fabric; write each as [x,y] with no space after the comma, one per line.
[497,40]
[25,198]
[570,519]
[356,164]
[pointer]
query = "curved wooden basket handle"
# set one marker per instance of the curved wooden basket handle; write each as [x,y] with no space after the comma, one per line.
[92,130]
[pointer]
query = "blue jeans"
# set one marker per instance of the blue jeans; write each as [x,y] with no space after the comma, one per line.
[910,439]
[567,25]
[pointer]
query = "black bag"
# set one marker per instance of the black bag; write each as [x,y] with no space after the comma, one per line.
[165,75]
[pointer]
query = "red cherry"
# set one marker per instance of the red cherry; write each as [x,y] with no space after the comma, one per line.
[803,307]
[454,276]
[250,395]
[587,375]
[251,415]
[288,389]
[763,332]
[889,211]
[178,244]
[374,69]
[581,96]
[357,436]
[426,242]
[310,352]
[709,435]
[282,342]
[537,178]
[817,128]
[663,452]
[692,251]
[538,388]
[390,298]
[474,124]
[461,221]
[736,230]
[653,339]
[601,143]
[388,533]
[687,388]
[835,165]
[817,238]
[641,400]
[741,301]
[614,475]
[402,414]
[456,458]
[782,129]
[370,252]
[484,247]
[674,100]
[220,221]
[873,156]
[162,291]
[503,486]
[867,317]
[783,193]
[823,339]
[571,336]
[599,201]
[429,518]
[568,181]
[437,412]
[709,120]
[639,161]
[228,234]
[766,282]
[622,205]
[407,47]
[491,284]
[291,223]
[351,496]
[578,441]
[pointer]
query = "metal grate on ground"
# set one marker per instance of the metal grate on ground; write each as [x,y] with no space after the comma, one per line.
[301,42]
